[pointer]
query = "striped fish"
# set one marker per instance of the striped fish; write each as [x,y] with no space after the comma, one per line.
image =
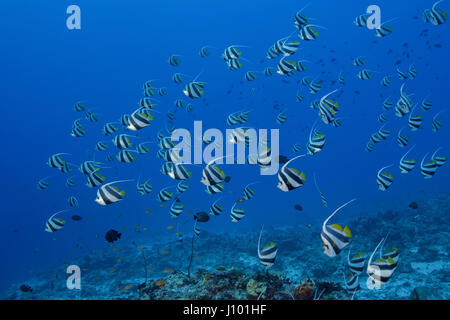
[216,209]
[412,72]
[337,123]
[316,141]
[387,104]
[272,53]
[351,282]
[194,89]
[286,67]
[290,178]
[79,107]
[356,263]
[231,52]
[122,141]
[179,172]
[328,108]
[217,188]
[88,167]
[402,140]
[144,187]
[236,214]
[101,146]
[78,132]
[176,208]
[309,32]
[359,61]
[440,160]
[314,86]
[139,119]
[375,138]
[269,71]
[281,118]
[91,116]
[149,92]
[146,103]
[334,237]
[414,121]
[234,64]
[407,165]
[43,184]
[250,75]
[437,16]
[70,182]
[436,123]
[386,81]
[124,120]
[65,168]
[180,103]
[364,74]
[370,146]
[299,97]
[426,104]
[174,60]
[162,91]
[300,66]
[300,19]
[126,156]
[290,47]
[95,179]
[177,78]
[204,52]
[212,175]
[382,118]
[296,148]
[164,195]
[401,75]
[248,192]
[428,169]
[384,179]
[361,20]
[264,157]
[383,31]
[380,270]
[54,224]
[143,148]
[108,194]
[72,201]
[182,187]
[268,253]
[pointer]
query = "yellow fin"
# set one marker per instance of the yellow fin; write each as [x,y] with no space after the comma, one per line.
[347,231]
[336,226]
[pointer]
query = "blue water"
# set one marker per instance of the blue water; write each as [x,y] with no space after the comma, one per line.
[46,68]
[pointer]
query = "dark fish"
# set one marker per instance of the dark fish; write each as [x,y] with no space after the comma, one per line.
[201,216]
[25,288]
[298,207]
[77,217]
[227,179]
[112,235]
[438,45]
[413,205]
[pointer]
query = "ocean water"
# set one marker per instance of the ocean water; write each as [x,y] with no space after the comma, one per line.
[47,68]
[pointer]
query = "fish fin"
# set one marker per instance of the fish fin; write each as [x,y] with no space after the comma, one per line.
[347,231]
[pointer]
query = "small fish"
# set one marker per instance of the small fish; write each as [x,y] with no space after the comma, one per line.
[290,178]
[334,237]
[384,179]
[268,253]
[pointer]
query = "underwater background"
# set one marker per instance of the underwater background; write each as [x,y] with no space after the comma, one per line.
[48,69]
